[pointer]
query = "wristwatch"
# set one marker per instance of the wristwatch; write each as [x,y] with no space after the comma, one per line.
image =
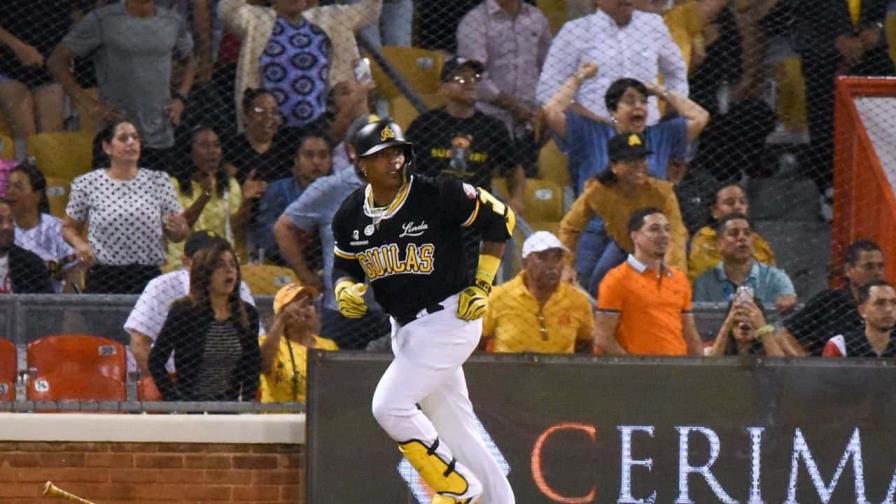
[179,96]
[763,331]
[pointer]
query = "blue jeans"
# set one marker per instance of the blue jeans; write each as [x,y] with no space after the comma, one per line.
[596,254]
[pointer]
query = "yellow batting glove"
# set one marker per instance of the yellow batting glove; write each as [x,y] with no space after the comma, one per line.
[473,300]
[350,299]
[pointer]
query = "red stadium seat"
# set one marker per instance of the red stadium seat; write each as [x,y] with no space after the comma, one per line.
[76,367]
[8,367]
[73,387]
[147,390]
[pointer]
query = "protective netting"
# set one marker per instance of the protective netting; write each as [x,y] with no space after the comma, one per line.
[241,114]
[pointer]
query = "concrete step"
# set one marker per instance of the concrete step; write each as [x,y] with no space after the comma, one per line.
[803,250]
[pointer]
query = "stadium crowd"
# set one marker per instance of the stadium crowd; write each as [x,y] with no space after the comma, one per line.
[224,138]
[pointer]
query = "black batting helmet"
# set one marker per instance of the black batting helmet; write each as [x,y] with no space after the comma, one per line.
[379,135]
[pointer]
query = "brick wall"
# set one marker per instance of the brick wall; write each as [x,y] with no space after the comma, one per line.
[112,473]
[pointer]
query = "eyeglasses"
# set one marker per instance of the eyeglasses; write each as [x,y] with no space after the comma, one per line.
[263,112]
[460,79]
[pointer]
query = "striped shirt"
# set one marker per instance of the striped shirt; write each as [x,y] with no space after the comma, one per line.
[219,362]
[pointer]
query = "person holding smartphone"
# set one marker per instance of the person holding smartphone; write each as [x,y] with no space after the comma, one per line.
[745,330]
[739,267]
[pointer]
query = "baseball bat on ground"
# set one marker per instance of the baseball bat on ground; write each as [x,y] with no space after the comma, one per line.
[52,490]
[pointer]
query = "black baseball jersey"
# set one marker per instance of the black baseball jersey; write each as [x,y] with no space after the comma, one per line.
[412,252]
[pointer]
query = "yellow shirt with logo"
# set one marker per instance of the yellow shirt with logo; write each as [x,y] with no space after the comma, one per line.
[514,320]
[218,212]
[278,385]
[705,253]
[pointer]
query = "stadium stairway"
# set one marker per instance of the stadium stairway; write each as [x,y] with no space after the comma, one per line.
[785,211]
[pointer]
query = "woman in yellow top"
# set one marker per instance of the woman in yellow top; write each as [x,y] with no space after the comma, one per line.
[704,249]
[211,198]
[284,351]
[617,193]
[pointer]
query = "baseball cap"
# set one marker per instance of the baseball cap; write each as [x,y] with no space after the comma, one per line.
[627,146]
[540,241]
[288,293]
[200,240]
[456,63]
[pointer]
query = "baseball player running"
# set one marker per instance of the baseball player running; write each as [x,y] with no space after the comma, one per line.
[403,233]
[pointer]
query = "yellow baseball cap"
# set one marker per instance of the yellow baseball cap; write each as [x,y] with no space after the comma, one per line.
[290,292]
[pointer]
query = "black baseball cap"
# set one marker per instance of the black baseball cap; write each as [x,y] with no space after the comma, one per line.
[627,146]
[456,63]
[200,240]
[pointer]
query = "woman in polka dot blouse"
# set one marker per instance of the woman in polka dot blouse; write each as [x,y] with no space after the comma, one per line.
[130,211]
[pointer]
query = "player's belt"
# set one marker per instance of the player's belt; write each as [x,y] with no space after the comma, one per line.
[429,310]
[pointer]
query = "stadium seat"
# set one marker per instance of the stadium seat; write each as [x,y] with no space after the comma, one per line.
[550,226]
[76,367]
[7,147]
[75,387]
[266,279]
[553,165]
[147,390]
[543,199]
[57,195]
[402,112]
[8,368]
[555,11]
[62,155]
[86,122]
[420,68]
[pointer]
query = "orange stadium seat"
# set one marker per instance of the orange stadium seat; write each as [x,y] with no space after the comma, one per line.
[147,390]
[62,155]
[76,367]
[266,279]
[8,368]
[7,147]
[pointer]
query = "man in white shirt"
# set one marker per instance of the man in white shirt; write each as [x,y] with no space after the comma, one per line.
[623,42]
[149,314]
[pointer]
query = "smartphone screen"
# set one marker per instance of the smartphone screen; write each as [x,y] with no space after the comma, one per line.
[362,70]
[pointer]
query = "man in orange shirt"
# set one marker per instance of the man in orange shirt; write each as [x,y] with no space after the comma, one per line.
[643,305]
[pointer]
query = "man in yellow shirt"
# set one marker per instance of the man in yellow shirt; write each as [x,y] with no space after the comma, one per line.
[536,311]
[284,351]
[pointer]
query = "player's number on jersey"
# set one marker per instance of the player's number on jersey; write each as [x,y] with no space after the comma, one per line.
[498,207]
[487,198]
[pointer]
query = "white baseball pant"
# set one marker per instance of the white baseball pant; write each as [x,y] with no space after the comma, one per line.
[426,370]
